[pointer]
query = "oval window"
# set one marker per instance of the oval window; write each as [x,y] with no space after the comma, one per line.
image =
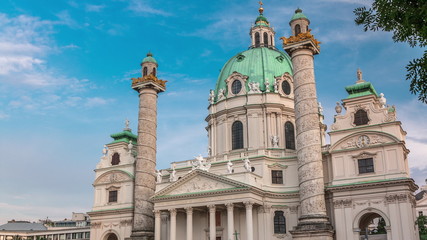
[236,86]
[286,87]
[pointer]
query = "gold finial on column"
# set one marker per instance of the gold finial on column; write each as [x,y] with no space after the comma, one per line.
[261,10]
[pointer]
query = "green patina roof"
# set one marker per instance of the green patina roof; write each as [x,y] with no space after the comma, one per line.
[298,14]
[124,136]
[360,89]
[261,20]
[258,64]
[149,58]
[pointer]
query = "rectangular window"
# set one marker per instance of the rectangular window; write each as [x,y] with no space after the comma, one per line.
[366,165]
[112,196]
[277,176]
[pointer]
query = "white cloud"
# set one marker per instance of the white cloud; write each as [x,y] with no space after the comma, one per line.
[94,8]
[3,116]
[143,7]
[10,64]
[97,101]
[412,114]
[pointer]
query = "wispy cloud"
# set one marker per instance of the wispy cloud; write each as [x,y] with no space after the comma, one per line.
[94,8]
[25,44]
[144,7]
[97,101]
[412,114]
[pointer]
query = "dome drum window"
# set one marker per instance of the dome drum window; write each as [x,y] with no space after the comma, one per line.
[286,87]
[236,86]
[237,135]
[289,136]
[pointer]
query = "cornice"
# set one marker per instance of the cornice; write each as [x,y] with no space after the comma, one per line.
[373,184]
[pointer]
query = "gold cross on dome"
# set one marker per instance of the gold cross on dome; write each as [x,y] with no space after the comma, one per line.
[260,3]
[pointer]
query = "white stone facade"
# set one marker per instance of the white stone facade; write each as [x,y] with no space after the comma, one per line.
[258,183]
[113,217]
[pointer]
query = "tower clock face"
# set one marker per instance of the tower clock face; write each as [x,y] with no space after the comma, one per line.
[363,141]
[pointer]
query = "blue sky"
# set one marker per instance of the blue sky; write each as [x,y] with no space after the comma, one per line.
[65,69]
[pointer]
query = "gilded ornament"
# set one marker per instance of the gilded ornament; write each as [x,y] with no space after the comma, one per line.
[149,78]
[299,38]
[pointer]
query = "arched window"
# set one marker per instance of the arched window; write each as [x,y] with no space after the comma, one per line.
[237,135]
[144,71]
[154,71]
[289,136]
[361,117]
[279,222]
[297,29]
[265,39]
[115,160]
[257,39]
[112,236]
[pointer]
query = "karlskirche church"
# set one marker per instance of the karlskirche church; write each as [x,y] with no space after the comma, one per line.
[269,173]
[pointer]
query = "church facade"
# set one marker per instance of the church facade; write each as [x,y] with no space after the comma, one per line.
[269,173]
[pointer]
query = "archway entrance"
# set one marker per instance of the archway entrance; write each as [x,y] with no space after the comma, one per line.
[372,227]
[112,236]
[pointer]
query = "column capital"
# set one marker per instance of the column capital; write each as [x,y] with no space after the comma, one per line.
[248,204]
[172,211]
[265,208]
[229,205]
[189,210]
[211,207]
[157,212]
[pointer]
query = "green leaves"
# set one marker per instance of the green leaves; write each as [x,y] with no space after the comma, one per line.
[407,20]
[417,74]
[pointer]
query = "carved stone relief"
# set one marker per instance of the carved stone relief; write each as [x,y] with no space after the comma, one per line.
[199,184]
[365,140]
[112,177]
[396,198]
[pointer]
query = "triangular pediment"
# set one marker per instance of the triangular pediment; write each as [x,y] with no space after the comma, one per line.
[198,181]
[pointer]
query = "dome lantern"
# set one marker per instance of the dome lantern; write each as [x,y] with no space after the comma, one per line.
[261,33]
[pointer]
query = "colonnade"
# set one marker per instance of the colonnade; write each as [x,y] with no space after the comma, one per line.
[212,223]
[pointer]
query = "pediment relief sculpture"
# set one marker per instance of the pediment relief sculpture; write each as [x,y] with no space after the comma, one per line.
[199,181]
[112,177]
[199,184]
[363,140]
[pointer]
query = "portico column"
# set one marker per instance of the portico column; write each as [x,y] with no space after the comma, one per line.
[212,227]
[230,220]
[157,224]
[249,222]
[189,223]
[173,223]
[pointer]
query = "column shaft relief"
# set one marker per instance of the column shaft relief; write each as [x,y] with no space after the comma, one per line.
[148,86]
[313,223]
[310,169]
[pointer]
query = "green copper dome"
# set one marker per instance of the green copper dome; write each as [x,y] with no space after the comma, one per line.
[259,64]
[261,20]
[298,14]
[149,58]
